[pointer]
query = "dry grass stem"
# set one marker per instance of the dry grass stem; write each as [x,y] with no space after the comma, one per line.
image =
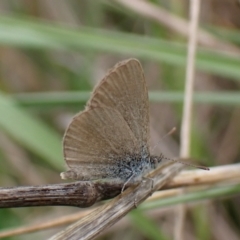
[179,25]
[189,83]
[60,221]
[187,105]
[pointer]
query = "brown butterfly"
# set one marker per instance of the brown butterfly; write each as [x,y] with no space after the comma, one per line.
[109,140]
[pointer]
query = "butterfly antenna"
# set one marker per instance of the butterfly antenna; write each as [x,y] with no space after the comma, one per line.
[187,164]
[169,133]
[175,160]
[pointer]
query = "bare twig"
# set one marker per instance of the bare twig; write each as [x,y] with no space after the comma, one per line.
[221,174]
[108,214]
[79,194]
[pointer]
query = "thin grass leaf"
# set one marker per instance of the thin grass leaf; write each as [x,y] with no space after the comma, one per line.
[30,132]
[59,99]
[214,192]
[31,33]
[224,33]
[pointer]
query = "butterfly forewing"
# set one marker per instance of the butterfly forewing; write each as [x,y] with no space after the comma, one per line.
[94,140]
[124,89]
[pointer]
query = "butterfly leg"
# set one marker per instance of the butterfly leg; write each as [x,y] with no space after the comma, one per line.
[124,185]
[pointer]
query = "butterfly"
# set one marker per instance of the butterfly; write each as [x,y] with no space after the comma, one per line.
[109,140]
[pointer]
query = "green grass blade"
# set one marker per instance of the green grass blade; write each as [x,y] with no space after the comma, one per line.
[73,98]
[31,33]
[30,132]
[214,192]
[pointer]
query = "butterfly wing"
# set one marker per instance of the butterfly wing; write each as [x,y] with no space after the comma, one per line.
[95,143]
[124,89]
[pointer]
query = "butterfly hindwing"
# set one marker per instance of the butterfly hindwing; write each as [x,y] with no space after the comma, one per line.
[95,141]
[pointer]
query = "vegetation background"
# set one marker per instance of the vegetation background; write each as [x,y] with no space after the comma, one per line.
[51,55]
